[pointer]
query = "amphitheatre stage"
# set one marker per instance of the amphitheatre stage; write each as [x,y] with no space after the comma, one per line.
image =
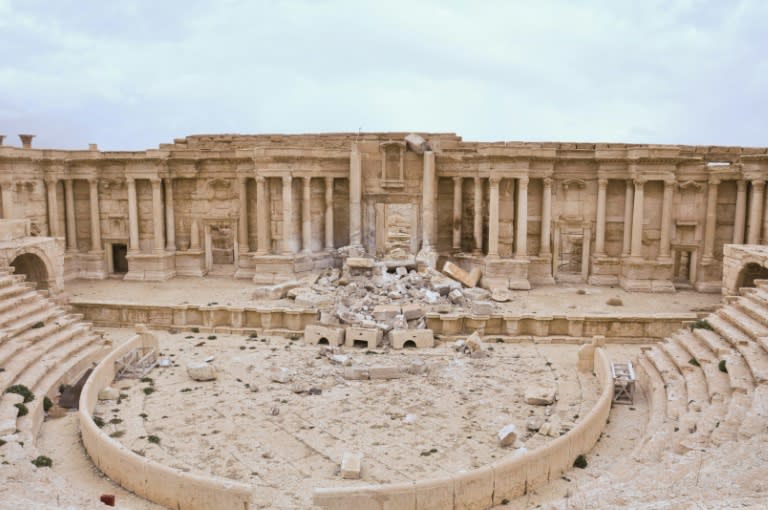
[383,321]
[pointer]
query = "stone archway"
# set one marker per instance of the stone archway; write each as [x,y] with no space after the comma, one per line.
[749,273]
[33,267]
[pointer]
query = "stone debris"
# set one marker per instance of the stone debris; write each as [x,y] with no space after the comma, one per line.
[109,393]
[201,371]
[356,373]
[468,279]
[501,295]
[351,465]
[534,423]
[474,343]
[508,435]
[384,372]
[280,375]
[540,395]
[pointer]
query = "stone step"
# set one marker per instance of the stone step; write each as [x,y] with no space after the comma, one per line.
[756,295]
[745,322]
[718,384]
[727,430]
[757,310]
[695,381]
[10,348]
[739,374]
[27,356]
[13,302]
[10,291]
[8,280]
[754,354]
[674,383]
[658,427]
[45,315]
[9,317]
[33,335]
[728,331]
[65,366]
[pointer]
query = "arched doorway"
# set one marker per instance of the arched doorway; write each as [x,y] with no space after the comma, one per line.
[749,273]
[33,267]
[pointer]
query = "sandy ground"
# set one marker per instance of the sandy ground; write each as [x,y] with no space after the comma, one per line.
[562,298]
[244,426]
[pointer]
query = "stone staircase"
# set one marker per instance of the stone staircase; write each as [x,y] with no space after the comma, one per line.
[41,347]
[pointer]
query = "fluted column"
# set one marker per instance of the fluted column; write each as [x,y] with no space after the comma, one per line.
[546,217]
[521,232]
[306,216]
[755,211]
[493,217]
[710,220]
[637,219]
[628,208]
[53,207]
[666,220]
[741,212]
[242,188]
[157,214]
[428,201]
[133,217]
[355,197]
[329,214]
[262,217]
[6,190]
[287,215]
[478,217]
[457,190]
[602,188]
[170,220]
[93,184]
[69,204]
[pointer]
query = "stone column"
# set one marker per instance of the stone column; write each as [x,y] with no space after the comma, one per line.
[95,216]
[355,197]
[133,217]
[329,241]
[170,220]
[637,219]
[457,182]
[262,217]
[428,202]
[287,215]
[53,207]
[69,204]
[7,196]
[478,218]
[602,188]
[306,216]
[546,217]
[242,226]
[628,207]
[521,232]
[755,211]
[666,220]
[493,217]
[157,214]
[741,212]
[710,220]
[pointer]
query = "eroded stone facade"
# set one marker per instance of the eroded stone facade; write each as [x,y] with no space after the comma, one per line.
[273,207]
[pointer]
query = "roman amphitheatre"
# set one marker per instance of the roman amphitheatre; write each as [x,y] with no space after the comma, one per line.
[383,321]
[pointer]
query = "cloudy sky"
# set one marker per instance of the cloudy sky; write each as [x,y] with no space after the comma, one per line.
[133,74]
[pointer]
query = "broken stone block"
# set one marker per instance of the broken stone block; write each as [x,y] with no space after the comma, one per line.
[456,296]
[417,366]
[483,308]
[412,311]
[443,285]
[474,342]
[315,334]
[274,291]
[109,393]
[385,312]
[500,295]
[313,300]
[508,435]
[351,465]
[534,423]
[201,371]
[280,375]
[401,271]
[468,279]
[360,263]
[421,338]
[400,322]
[540,395]
[382,372]
[356,373]
[476,294]
[363,337]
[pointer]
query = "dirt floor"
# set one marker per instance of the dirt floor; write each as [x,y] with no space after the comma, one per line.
[286,440]
[561,298]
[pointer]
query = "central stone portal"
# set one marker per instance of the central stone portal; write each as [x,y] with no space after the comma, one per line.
[396,228]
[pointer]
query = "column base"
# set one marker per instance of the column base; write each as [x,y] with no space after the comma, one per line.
[604,270]
[638,275]
[190,263]
[504,273]
[151,266]
[540,270]
[274,269]
[92,265]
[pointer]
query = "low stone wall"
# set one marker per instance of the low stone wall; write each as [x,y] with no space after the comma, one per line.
[490,485]
[219,318]
[161,484]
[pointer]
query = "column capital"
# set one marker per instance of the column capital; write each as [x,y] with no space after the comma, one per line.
[494,181]
[547,182]
[307,179]
[457,178]
[260,178]
[670,183]
[602,182]
[714,180]
[129,179]
[93,180]
[639,181]
[155,181]
[523,180]
[51,180]
[741,185]
[758,183]
[287,179]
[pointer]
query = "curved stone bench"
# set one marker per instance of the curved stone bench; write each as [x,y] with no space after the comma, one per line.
[490,485]
[149,479]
